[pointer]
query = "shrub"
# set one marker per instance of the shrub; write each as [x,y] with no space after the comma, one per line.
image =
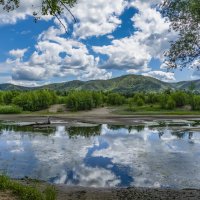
[140,102]
[195,103]
[11,109]
[84,100]
[171,104]
[180,98]
[163,100]
[26,192]
[115,99]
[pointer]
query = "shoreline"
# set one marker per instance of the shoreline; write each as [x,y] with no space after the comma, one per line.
[65,192]
[98,119]
[127,193]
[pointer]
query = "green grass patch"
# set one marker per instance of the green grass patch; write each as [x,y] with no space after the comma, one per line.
[151,110]
[10,109]
[26,192]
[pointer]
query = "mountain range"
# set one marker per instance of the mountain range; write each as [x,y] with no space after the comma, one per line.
[123,84]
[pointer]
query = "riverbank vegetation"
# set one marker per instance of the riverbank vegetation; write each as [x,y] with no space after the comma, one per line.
[24,192]
[14,102]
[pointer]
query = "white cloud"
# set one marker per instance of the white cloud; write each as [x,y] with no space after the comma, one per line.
[148,42]
[126,53]
[26,9]
[56,56]
[195,74]
[18,53]
[163,76]
[97,17]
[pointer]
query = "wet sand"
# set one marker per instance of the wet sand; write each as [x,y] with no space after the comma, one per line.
[100,116]
[75,193]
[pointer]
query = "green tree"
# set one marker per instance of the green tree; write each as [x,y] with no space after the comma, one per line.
[140,102]
[35,100]
[115,99]
[195,103]
[1,98]
[180,98]
[8,96]
[84,100]
[151,98]
[171,104]
[184,16]
[163,98]
[47,7]
[192,87]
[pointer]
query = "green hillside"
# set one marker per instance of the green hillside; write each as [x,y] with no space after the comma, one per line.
[128,83]
[8,86]
[124,84]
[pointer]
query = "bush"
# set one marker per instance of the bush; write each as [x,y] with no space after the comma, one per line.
[140,102]
[180,98]
[35,100]
[171,104]
[195,103]
[163,98]
[11,109]
[84,100]
[26,192]
[115,99]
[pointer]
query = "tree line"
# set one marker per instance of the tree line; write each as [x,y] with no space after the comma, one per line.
[86,100]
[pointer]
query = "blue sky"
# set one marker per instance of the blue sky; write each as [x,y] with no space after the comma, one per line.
[111,38]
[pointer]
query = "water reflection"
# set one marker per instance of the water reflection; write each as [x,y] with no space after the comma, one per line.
[84,131]
[26,128]
[103,156]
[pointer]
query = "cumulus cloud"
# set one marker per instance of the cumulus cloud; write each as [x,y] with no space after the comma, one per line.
[56,56]
[18,53]
[126,53]
[148,42]
[26,9]
[97,17]
[195,74]
[163,76]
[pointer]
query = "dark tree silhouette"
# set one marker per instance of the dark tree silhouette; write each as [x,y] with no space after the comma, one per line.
[184,16]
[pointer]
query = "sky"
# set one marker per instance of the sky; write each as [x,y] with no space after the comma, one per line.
[109,39]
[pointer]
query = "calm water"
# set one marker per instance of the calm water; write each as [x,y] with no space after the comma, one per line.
[103,156]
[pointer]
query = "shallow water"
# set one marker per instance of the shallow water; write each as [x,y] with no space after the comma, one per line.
[103,156]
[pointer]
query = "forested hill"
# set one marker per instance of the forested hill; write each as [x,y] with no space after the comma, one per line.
[124,84]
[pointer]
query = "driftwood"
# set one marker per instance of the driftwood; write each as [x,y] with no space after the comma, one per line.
[44,123]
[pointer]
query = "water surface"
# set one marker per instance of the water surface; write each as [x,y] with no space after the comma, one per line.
[103,156]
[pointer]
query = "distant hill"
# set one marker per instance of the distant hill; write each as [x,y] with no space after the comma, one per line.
[124,84]
[8,86]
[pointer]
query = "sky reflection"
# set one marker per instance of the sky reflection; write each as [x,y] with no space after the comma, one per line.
[113,157]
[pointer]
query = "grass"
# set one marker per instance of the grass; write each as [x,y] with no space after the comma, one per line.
[10,109]
[26,192]
[152,110]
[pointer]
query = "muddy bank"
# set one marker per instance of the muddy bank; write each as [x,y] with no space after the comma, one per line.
[73,193]
[107,119]
[65,192]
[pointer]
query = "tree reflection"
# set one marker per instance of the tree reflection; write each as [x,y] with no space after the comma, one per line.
[115,127]
[74,132]
[27,128]
[179,134]
[190,135]
[139,128]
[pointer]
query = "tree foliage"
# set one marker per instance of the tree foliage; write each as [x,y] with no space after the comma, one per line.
[184,16]
[84,100]
[35,100]
[47,7]
[16,101]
